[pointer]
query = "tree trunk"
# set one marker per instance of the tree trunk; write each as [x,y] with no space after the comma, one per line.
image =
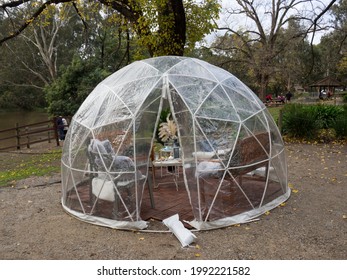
[170,39]
[172,36]
[263,80]
[180,26]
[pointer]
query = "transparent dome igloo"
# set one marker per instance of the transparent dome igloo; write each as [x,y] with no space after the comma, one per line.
[230,167]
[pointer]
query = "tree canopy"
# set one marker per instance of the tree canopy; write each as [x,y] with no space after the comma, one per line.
[66,47]
[259,33]
[43,39]
[161,25]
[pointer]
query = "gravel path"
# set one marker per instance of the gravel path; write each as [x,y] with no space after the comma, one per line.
[311,225]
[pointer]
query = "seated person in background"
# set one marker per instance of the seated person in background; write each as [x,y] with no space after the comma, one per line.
[330,94]
[322,94]
[268,98]
[281,98]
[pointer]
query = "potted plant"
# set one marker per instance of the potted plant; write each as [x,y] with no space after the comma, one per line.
[168,131]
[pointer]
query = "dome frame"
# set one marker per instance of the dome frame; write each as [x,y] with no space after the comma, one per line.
[229,144]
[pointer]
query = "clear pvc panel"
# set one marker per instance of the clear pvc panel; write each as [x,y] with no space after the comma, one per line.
[235,87]
[218,73]
[217,106]
[130,73]
[219,136]
[164,64]
[193,90]
[191,68]
[257,123]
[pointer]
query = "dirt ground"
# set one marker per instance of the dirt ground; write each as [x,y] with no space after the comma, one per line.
[311,225]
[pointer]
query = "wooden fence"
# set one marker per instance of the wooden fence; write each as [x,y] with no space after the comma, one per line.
[26,135]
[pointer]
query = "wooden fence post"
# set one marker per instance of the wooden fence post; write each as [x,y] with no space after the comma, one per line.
[18,136]
[28,135]
[28,138]
[49,134]
[55,130]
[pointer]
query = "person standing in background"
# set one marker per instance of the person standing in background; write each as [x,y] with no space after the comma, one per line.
[60,127]
[65,126]
[288,96]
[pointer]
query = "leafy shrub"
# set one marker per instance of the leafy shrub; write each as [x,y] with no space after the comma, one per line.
[344,98]
[66,94]
[326,114]
[325,122]
[340,123]
[299,121]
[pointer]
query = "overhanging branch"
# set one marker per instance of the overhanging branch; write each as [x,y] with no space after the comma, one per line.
[28,21]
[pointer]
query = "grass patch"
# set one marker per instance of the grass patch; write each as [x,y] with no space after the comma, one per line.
[275,112]
[31,165]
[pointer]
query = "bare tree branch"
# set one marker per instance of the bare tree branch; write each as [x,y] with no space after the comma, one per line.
[27,22]
[28,67]
[261,42]
[13,4]
[315,21]
[80,15]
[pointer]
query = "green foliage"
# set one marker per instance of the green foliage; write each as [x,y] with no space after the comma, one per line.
[21,98]
[325,114]
[340,123]
[164,27]
[201,17]
[314,121]
[76,81]
[299,122]
[344,97]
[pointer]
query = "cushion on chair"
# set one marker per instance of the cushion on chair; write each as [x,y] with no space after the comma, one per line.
[108,146]
[208,169]
[103,189]
[96,146]
[104,156]
[123,163]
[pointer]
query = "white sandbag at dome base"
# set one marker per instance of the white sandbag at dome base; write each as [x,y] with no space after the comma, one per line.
[185,236]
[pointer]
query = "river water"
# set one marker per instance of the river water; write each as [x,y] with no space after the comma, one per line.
[10,119]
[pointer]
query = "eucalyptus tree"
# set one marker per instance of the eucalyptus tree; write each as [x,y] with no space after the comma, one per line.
[256,27]
[105,33]
[164,27]
[33,57]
